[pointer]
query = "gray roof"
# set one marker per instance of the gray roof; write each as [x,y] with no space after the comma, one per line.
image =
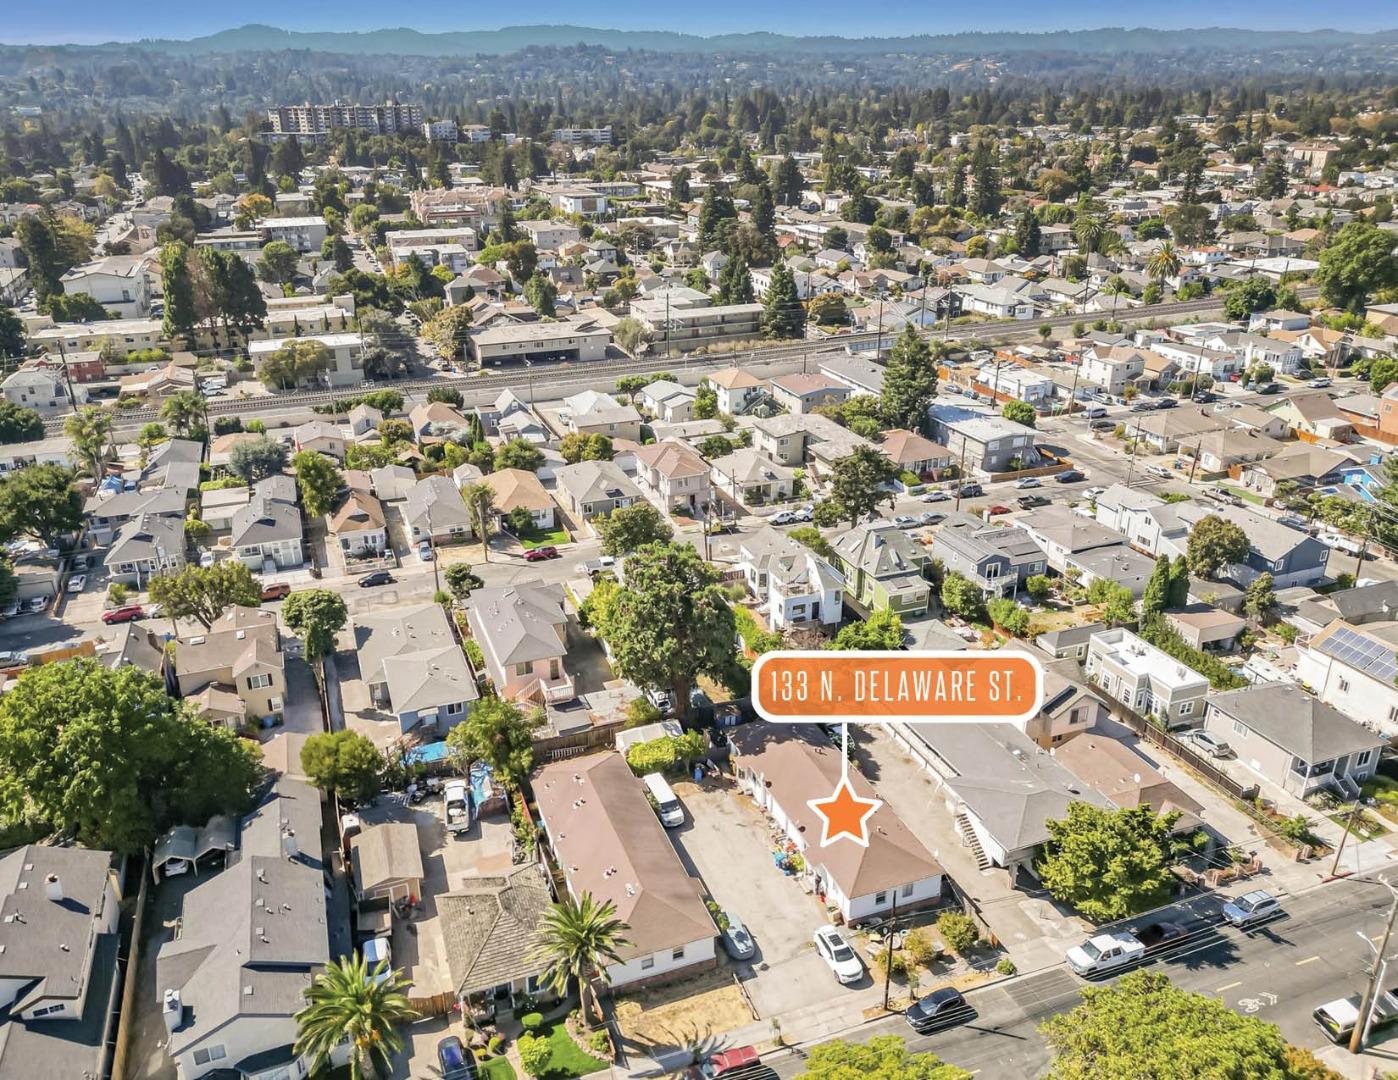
[490,926]
[385,853]
[265,520]
[880,548]
[593,481]
[1069,636]
[442,497]
[145,537]
[380,639]
[518,623]
[1302,725]
[126,504]
[190,843]
[1359,604]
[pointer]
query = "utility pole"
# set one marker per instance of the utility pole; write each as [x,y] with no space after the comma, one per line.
[1364,547]
[960,474]
[888,949]
[68,378]
[1199,449]
[1361,1023]
[1131,459]
[1349,827]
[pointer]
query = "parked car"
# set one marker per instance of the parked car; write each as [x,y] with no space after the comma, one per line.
[280,591]
[206,559]
[1070,476]
[1143,406]
[36,604]
[660,699]
[998,509]
[1338,1018]
[377,950]
[1103,425]
[541,554]
[1094,492]
[735,1062]
[424,551]
[1166,403]
[593,567]
[455,1060]
[1205,397]
[805,513]
[81,562]
[737,940]
[77,583]
[970,491]
[905,521]
[935,496]
[1252,908]
[1105,952]
[1156,934]
[378,577]
[931,517]
[941,1008]
[784,517]
[1208,743]
[125,613]
[1025,482]
[838,955]
[1029,502]
[1319,384]
[1270,388]
[1158,470]
[1095,412]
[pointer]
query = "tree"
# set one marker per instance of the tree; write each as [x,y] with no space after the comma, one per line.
[462,580]
[535,1053]
[1254,294]
[716,446]
[19,424]
[735,282]
[11,333]
[479,498]
[1027,234]
[909,381]
[315,616]
[347,1002]
[1164,262]
[253,207]
[257,459]
[1020,412]
[204,593]
[40,501]
[296,362]
[1157,593]
[1143,1026]
[670,621]
[578,940]
[630,334]
[985,200]
[46,262]
[447,395]
[882,630]
[319,479]
[782,313]
[278,263]
[577,446]
[180,310]
[881,1057]
[1117,602]
[498,733]
[107,756]
[1008,615]
[859,483]
[1214,543]
[183,411]
[343,763]
[629,528]
[1260,598]
[541,293]
[1179,583]
[337,252]
[519,454]
[447,330]
[829,309]
[705,401]
[1358,262]
[960,596]
[90,428]
[1109,863]
[76,307]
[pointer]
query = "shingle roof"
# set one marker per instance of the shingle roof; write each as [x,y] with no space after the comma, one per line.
[385,853]
[1302,725]
[490,928]
[518,623]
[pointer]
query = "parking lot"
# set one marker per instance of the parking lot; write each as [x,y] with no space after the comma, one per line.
[726,841]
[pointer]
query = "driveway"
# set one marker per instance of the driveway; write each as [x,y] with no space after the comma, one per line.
[725,840]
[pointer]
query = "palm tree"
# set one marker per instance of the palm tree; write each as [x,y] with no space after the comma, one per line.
[90,428]
[182,410]
[577,939]
[348,1001]
[1164,263]
[480,502]
[1088,228]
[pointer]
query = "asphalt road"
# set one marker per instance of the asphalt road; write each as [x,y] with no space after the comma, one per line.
[1279,973]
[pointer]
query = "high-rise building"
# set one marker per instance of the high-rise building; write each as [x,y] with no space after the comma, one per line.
[315,120]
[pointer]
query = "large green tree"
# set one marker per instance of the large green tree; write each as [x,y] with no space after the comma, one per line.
[670,621]
[90,429]
[497,732]
[183,411]
[277,263]
[782,313]
[106,755]
[11,333]
[880,1057]
[1214,543]
[1020,412]
[315,616]
[1358,262]
[882,631]
[343,763]
[1109,864]
[181,314]
[257,459]
[40,501]
[319,480]
[349,1003]
[203,593]
[909,381]
[858,483]
[578,940]
[630,527]
[19,423]
[1144,1026]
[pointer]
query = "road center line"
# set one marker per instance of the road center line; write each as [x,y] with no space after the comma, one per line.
[1230,986]
[1308,960]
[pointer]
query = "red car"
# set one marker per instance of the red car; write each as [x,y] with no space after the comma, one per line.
[999,510]
[540,554]
[123,614]
[731,1063]
[276,592]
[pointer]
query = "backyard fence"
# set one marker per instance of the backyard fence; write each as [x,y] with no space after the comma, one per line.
[126,1019]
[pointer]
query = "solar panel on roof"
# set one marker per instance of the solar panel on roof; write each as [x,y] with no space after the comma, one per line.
[1370,656]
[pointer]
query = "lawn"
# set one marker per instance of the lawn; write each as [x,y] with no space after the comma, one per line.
[498,1068]
[568,1058]
[1245,495]
[544,539]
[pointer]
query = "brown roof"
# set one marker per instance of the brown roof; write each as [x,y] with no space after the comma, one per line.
[518,487]
[797,769]
[733,379]
[808,383]
[672,458]
[359,512]
[609,843]
[904,446]
[1125,777]
[386,853]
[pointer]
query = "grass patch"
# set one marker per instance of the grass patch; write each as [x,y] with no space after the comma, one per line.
[1245,495]
[544,539]
[498,1068]
[1366,825]
[568,1059]
[1383,790]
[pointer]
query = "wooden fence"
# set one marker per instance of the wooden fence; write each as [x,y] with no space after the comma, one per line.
[126,1020]
[437,1005]
[1157,736]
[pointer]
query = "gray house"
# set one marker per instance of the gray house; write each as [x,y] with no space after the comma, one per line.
[434,509]
[592,488]
[268,529]
[997,559]
[1294,740]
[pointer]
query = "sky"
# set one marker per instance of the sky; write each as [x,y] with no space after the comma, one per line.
[88,21]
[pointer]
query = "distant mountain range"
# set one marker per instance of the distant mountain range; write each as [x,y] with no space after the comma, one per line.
[407,42]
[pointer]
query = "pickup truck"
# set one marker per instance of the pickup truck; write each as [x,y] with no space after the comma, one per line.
[1105,952]
[456,806]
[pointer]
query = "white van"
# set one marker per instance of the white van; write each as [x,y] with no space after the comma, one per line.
[1095,412]
[667,804]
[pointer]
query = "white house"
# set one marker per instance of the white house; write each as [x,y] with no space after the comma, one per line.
[41,389]
[118,282]
[346,358]
[796,586]
[1353,669]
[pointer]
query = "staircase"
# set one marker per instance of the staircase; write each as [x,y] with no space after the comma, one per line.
[968,837]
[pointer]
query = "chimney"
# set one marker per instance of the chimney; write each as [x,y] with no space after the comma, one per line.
[53,888]
[172,1011]
[289,846]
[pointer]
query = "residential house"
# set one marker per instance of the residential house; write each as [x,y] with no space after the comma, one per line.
[794,585]
[158,382]
[386,864]
[1144,679]
[803,393]
[735,389]
[1294,740]
[1112,368]
[984,442]
[1074,544]
[998,560]
[609,843]
[1207,628]
[593,488]
[364,421]
[751,478]
[1070,643]
[253,936]
[433,419]
[240,653]
[883,568]
[667,400]
[119,283]
[359,527]
[266,533]
[1114,770]
[863,377]
[1312,416]
[108,511]
[414,667]
[523,634]
[40,388]
[57,450]
[321,436]
[146,545]
[914,454]
[490,934]
[1353,668]
[1219,452]
[595,413]
[344,353]
[675,475]
[60,974]
[783,767]
[435,510]
[519,489]
[1070,707]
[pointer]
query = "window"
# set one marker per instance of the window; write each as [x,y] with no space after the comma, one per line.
[908,889]
[1393,712]
[880,899]
[1362,759]
[46,1010]
[677,954]
[1186,708]
[212,1053]
[1240,728]
[259,682]
[1344,685]
[455,707]
[647,962]
[522,669]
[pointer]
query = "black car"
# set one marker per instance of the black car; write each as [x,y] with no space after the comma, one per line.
[970,491]
[1205,397]
[941,1008]
[455,1059]
[1270,388]
[378,577]
[1070,476]
[1160,933]
[1103,425]
[1166,403]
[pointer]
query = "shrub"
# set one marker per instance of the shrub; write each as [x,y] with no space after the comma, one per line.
[920,947]
[1006,966]
[958,931]
[534,1054]
[531,1022]
[496,1044]
[474,654]
[599,1043]
[899,963]
[118,593]
[640,712]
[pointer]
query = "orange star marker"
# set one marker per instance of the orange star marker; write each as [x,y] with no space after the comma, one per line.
[844,814]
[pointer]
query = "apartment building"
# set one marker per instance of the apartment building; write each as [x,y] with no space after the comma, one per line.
[1146,680]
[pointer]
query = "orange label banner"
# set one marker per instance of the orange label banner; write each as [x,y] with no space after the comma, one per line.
[880,687]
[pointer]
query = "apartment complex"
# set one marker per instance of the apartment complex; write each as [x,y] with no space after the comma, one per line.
[318,120]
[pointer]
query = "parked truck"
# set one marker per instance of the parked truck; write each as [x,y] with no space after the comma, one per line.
[1105,952]
[456,806]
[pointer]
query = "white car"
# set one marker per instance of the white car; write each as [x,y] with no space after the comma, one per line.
[1094,492]
[785,517]
[839,955]
[1104,952]
[206,559]
[376,949]
[77,583]
[936,496]
[1027,482]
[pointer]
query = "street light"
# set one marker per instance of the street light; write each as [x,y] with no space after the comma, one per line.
[1366,1007]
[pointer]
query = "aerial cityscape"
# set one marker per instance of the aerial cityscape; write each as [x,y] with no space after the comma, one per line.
[749,544]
